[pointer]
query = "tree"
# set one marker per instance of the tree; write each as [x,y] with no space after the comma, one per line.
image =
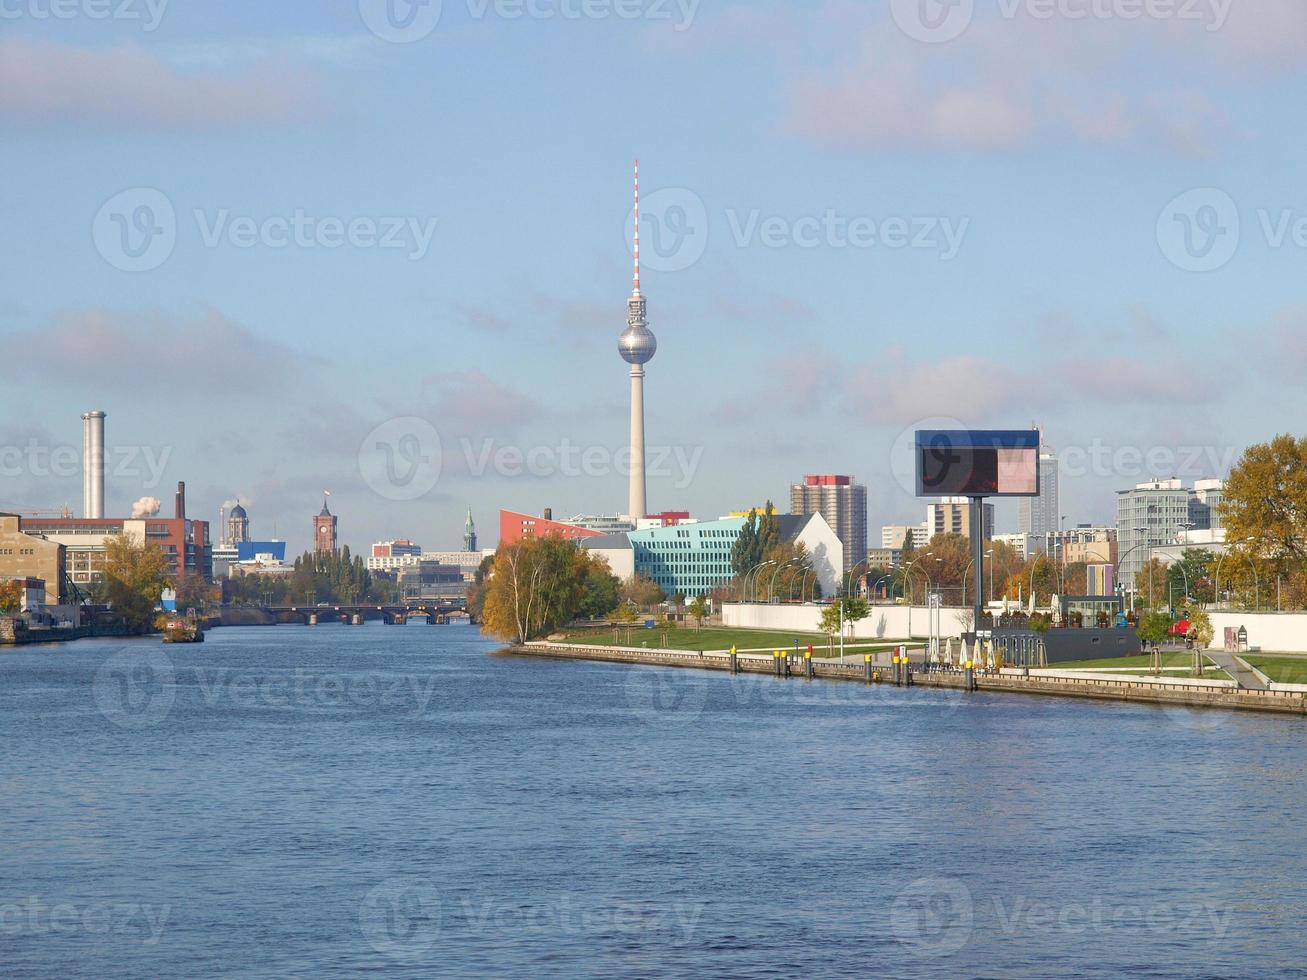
[769,530]
[1150,583]
[135,576]
[642,591]
[1265,501]
[11,597]
[599,588]
[1191,575]
[1201,630]
[699,610]
[1155,626]
[193,593]
[847,610]
[746,553]
[536,585]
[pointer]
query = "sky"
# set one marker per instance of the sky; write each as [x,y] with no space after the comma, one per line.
[383,248]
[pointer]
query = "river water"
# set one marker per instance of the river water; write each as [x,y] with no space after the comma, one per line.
[329,801]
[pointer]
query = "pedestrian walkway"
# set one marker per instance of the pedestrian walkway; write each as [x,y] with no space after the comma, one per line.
[1236,668]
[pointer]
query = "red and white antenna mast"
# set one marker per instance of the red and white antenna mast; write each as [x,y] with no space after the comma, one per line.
[637,227]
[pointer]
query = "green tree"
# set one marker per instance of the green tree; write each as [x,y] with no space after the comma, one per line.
[699,610]
[1155,626]
[746,553]
[1201,630]
[847,610]
[1191,576]
[135,576]
[536,585]
[599,589]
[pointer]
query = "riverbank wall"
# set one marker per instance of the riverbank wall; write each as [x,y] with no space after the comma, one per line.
[1189,693]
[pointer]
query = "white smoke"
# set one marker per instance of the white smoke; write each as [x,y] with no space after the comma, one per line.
[229,504]
[146,507]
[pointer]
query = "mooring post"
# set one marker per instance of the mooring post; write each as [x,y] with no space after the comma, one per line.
[907,669]
[895,661]
[970,679]
[807,662]
[866,664]
[776,661]
[735,664]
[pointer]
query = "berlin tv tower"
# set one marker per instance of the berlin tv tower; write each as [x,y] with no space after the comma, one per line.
[637,346]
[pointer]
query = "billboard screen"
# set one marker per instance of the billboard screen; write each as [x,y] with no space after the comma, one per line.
[977,463]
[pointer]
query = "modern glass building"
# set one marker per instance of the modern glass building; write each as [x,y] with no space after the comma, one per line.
[691,559]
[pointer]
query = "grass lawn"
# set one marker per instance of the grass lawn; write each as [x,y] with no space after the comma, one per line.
[1283,670]
[1142,666]
[714,638]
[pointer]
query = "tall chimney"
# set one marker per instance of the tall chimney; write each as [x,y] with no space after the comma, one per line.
[93,464]
[181,501]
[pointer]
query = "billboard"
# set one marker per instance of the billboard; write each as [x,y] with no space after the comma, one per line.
[977,463]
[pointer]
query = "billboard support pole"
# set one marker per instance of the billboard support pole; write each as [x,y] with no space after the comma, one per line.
[978,557]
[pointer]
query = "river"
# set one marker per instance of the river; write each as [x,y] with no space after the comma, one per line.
[328,801]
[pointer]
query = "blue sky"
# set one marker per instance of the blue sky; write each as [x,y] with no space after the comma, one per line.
[1022,193]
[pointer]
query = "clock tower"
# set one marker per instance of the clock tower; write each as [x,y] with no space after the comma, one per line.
[324,530]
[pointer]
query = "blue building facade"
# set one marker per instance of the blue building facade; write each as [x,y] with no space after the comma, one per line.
[246,550]
[691,559]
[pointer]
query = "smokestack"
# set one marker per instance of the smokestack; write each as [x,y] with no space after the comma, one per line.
[181,501]
[222,525]
[93,464]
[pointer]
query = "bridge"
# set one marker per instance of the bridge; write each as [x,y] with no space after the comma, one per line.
[436,611]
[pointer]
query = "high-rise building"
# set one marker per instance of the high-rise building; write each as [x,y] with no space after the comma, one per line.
[1041,515]
[843,503]
[1149,516]
[1205,505]
[895,535]
[952,515]
[637,346]
[324,530]
[469,533]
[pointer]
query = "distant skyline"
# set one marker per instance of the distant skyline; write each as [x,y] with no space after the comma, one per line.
[854,225]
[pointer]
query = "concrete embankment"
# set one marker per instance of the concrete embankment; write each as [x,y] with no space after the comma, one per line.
[1144,690]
